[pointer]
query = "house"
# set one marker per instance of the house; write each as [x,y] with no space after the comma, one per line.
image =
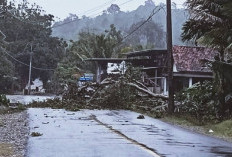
[153,69]
[104,65]
[36,87]
[188,67]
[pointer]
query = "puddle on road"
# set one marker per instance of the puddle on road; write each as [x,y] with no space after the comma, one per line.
[224,151]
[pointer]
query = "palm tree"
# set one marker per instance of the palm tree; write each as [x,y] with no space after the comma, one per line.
[210,24]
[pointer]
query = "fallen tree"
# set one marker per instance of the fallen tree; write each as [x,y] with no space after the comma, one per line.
[122,92]
[118,93]
[147,91]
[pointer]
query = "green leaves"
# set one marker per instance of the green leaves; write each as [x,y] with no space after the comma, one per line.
[151,34]
[199,101]
[28,28]
[4,100]
[210,23]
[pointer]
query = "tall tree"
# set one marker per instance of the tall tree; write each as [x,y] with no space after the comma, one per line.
[210,24]
[28,28]
[89,45]
[6,68]
[150,35]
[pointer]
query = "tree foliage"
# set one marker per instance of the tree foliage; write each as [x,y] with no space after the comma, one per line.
[200,101]
[150,35]
[89,45]
[28,29]
[210,24]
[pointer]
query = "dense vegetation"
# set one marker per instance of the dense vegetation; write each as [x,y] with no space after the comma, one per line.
[26,29]
[210,24]
[125,21]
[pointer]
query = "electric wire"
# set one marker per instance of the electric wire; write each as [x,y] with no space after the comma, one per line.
[154,11]
[118,5]
[98,7]
[55,26]
[117,44]
[86,12]
[43,69]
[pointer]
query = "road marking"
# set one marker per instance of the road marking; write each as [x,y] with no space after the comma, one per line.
[143,146]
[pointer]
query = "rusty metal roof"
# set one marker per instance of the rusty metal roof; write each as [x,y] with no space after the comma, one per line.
[190,58]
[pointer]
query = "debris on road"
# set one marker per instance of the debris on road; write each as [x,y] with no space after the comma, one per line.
[36,134]
[141,117]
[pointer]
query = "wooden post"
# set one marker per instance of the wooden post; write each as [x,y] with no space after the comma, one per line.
[99,69]
[170,58]
[165,85]
[29,79]
[156,81]
[190,82]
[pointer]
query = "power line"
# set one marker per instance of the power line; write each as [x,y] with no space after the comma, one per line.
[36,22]
[98,7]
[118,5]
[125,3]
[117,44]
[91,10]
[43,69]
[141,25]
[89,15]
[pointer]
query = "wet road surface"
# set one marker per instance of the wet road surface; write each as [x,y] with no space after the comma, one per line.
[104,133]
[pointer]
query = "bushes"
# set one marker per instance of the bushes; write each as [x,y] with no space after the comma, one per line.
[200,101]
[3,100]
[57,103]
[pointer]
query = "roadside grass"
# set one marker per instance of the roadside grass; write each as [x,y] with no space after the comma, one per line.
[6,150]
[12,109]
[184,120]
[221,130]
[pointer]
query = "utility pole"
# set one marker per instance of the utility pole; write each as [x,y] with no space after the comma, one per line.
[29,79]
[170,58]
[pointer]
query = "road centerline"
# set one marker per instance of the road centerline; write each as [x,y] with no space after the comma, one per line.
[141,145]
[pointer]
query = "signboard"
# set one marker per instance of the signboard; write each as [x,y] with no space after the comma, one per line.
[86,77]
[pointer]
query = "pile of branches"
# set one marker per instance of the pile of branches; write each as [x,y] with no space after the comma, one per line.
[123,91]
[117,93]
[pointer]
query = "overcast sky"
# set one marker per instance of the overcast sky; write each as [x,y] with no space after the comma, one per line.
[62,8]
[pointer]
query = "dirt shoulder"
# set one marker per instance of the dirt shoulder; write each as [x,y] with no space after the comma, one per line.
[14,132]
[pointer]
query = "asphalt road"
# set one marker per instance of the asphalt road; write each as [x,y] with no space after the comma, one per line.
[104,133]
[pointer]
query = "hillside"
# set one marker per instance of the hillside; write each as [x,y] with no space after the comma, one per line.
[122,20]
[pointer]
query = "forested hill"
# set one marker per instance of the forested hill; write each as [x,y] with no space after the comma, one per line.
[122,20]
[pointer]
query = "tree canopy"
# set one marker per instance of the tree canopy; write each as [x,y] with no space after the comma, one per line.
[28,29]
[210,24]
[151,35]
